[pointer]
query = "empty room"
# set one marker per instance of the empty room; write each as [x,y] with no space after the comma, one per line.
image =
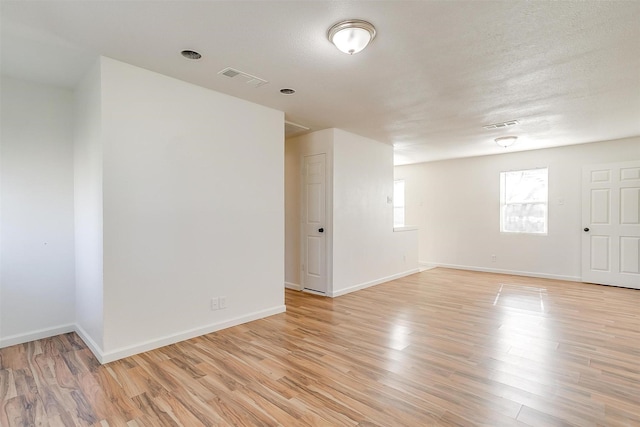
[319,213]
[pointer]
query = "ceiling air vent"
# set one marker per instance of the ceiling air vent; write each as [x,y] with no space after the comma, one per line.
[248,78]
[501,125]
[229,72]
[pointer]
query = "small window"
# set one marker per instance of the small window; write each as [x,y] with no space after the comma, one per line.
[398,203]
[523,201]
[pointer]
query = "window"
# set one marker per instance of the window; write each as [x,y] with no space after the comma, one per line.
[523,201]
[398,203]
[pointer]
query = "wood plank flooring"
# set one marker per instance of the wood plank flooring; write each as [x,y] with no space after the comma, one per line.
[442,348]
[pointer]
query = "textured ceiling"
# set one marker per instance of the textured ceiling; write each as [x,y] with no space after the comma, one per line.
[435,74]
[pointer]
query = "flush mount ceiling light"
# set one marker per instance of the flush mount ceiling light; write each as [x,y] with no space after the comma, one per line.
[506,141]
[351,36]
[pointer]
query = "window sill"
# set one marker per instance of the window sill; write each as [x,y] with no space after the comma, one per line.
[405,228]
[522,233]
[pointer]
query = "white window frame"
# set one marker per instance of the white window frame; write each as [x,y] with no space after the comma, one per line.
[504,204]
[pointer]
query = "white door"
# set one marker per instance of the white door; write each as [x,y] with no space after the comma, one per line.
[611,224]
[314,244]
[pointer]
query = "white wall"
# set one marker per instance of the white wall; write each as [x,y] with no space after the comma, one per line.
[366,250]
[37,247]
[363,249]
[456,205]
[292,188]
[89,308]
[193,209]
[178,198]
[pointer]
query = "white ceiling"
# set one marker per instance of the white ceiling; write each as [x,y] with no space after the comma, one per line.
[435,74]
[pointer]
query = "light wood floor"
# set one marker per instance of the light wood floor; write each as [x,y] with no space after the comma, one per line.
[443,347]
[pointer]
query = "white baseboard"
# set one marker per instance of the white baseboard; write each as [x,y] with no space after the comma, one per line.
[123,352]
[93,346]
[501,271]
[373,283]
[110,356]
[293,286]
[36,335]
[424,266]
[311,291]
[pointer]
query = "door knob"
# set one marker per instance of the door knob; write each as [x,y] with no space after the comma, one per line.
[320,230]
[586,229]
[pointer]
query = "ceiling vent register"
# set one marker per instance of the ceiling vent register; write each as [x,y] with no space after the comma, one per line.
[249,79]
[501,125]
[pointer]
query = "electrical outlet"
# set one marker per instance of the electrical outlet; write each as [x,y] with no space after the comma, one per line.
[493,258]
[223,302]
[215,303]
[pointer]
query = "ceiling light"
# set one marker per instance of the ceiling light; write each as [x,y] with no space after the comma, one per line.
[351,36]
[191,54]
[287,91]
[506,141]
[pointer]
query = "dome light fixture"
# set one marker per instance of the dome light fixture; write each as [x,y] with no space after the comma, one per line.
[351,36]
[506,141]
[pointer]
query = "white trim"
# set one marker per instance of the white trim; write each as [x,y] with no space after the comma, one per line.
[293,286]
[511,272]
[405,228]
[106,357]
[311,291]
[36,335]
[424,266]
[373,283]
[123,352]
[93,346]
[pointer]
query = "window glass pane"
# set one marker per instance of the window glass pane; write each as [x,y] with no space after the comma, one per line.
[525,218]
[398,193]
[523,201]
[526,186]
[398,217]
[398,203]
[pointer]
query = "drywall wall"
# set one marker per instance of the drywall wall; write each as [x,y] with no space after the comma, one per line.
[366,250]
[362,247]
[456,206]
[193,209]
[37,264]
[292,188]
[176,201]
[89,308]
